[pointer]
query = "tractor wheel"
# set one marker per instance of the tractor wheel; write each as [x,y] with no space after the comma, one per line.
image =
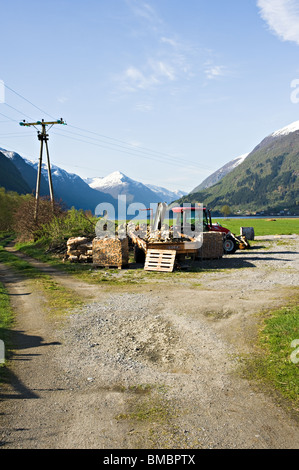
[139,255]
[229,245]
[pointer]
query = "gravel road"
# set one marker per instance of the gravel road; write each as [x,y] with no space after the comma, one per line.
[149,365]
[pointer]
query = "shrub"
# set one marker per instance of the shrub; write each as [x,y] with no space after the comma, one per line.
[25,225]
[73,223]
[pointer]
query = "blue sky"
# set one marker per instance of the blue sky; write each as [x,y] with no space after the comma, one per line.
[166,91]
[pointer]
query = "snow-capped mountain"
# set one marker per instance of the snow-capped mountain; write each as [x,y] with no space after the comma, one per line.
[230,166]
[27,171]
[166,194]
[219,174]
[68,187]
[87,194]
[56,172]
[278,135]
[118,183]
[266,181]
[286,130]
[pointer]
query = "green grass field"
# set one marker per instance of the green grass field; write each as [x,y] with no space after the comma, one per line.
[266,226]
[262,226]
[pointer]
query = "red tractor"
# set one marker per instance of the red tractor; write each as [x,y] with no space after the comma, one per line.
[188,216]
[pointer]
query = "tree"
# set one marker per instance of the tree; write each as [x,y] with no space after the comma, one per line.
[225,210]
[9,203]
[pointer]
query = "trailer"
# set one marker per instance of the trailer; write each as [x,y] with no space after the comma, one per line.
[163,256]
[157,254]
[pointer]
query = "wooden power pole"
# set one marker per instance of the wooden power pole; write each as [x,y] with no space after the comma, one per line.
[43,137]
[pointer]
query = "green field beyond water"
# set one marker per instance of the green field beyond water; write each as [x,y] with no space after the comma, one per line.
[262,226]
[269,226]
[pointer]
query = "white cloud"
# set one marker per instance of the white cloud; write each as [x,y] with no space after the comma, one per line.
[163,69]
[169,41]
[282,16]
[170,60]
[215,71]
[134,78]
[144,107]
[143,10]
[153,73]
[62,99]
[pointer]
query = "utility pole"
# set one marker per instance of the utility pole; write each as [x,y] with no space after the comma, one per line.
[43,137]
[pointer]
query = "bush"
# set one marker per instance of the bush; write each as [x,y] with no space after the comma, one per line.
[52,227]
[73,223]
[25,225]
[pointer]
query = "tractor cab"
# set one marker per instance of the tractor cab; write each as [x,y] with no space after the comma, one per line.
[188,220]
[196,219]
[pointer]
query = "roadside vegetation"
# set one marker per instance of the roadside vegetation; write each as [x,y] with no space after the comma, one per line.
[276,362]
[6,323]
[59,299]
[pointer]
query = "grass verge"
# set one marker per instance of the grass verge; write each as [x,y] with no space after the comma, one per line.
[59,299]
[276,364]
[6,322]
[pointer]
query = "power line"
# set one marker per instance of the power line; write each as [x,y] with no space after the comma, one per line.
[15,134]
[156,156]
[18,111]
[28,101]
[9,118]
[131,149]
[127,151]
[122,146]
[140,148]
[128,146]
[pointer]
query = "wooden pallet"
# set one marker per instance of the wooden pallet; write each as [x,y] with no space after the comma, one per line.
[160,260]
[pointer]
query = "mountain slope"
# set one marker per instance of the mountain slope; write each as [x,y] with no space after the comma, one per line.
[29,174]
[267,180]
[119,184]
[86,194]
[73,190]
[69,188]
[166,195]
[11,178]
[219,174]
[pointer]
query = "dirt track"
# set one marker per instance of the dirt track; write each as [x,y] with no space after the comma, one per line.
[150,365]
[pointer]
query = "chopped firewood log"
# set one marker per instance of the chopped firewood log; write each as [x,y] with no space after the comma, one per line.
[85,258]
[79,249]
[74,252]
[73,258]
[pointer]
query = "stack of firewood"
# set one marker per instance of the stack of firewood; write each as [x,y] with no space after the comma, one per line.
[163,235]
[110,252]
[212,245]
[79,249]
